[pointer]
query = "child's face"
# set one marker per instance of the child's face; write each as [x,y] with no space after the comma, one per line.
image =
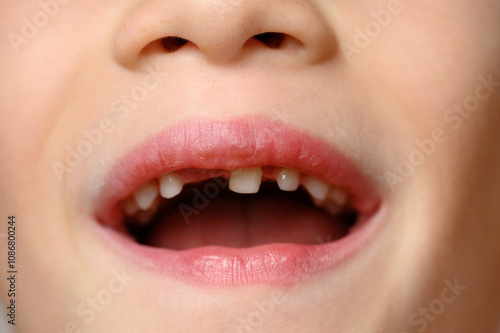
[401,95]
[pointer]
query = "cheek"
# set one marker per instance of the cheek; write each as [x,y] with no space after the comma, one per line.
[40,61]
[422,60]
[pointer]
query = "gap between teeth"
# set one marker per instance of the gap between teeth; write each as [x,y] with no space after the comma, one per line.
[244,181]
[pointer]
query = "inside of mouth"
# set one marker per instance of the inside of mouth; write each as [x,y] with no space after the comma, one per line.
[208,213]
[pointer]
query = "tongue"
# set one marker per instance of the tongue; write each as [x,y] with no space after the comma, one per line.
[243,221]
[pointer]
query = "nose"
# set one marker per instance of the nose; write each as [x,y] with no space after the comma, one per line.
[226,31]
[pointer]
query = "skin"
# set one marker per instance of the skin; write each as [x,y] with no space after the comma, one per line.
[441,221]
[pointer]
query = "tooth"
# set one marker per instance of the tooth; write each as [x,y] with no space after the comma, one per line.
[318,189]
[338,196]
[170,185]
[288,180]
[130,207]
[146,195]
[245,181]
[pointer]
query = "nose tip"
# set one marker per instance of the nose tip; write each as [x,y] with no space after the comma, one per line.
[224,35]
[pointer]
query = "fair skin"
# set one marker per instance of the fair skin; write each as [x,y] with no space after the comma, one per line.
[370,101]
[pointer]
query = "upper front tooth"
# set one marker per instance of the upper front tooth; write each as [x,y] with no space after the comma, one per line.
[288,180]
[338,196]
[318,189]
[146,195]
[245,181]
[170,185]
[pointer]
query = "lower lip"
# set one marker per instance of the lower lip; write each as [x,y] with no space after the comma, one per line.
[273,264]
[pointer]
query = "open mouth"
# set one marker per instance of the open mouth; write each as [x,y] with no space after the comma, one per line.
[237,203]
[239,208]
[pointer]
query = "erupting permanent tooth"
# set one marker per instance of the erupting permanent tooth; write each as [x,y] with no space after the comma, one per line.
[170,185]
[146,195]
[130,207]
[318,189]
[245,181]
[338,196]
[288,180]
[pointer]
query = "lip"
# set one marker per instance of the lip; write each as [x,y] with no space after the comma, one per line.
[228,145]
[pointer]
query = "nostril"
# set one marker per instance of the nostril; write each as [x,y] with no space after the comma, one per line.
[172,44]
[273,40]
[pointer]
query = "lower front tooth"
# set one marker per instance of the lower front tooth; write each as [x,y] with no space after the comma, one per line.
[245,181]
[146,195]
[170,185]
[288,180]
[318,189]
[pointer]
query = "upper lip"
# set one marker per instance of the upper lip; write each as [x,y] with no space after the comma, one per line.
[229,145]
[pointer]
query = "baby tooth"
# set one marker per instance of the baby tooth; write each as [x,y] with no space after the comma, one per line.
[288,180]
[318,189]
[338,196]
[146,195]
[170,185]
[245,181]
